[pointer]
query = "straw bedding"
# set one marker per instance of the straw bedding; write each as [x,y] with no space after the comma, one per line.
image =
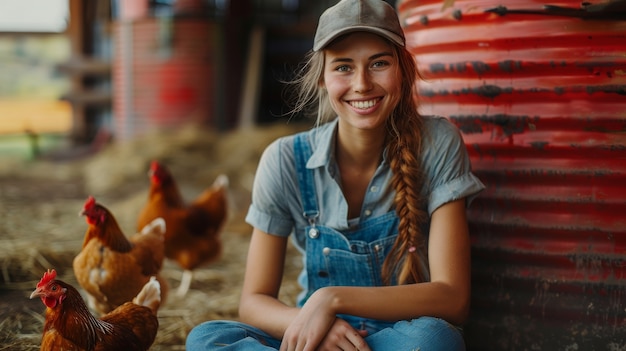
[40,227]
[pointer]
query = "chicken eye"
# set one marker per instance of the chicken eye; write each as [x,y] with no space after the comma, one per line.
[53,288]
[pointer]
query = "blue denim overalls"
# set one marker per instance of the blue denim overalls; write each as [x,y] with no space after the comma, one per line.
[352,258]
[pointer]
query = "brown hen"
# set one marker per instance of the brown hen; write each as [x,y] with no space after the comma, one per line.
[192,235]
[69,326]
[112,268]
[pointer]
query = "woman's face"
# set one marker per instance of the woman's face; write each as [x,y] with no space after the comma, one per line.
[363,79]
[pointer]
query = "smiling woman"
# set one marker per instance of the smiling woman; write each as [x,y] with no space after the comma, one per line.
[373,196]
[19,16]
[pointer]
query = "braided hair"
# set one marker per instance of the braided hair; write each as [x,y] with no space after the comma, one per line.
[407,260]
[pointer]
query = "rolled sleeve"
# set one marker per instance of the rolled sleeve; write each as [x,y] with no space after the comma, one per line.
[467,186]
[448,166]
[268,223]
[274,196]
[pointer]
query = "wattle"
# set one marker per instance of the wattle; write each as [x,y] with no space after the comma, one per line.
[49,301]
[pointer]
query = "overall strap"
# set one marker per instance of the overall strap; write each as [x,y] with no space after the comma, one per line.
[306,180]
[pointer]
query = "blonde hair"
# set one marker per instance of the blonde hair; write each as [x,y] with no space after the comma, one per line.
[406,262]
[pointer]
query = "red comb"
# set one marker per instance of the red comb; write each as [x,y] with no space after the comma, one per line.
[90,203]
[154,165]
[47,277]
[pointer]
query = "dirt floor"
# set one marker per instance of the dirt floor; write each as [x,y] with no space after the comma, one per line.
[40,227]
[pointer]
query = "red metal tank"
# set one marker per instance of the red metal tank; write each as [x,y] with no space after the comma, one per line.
[164,73]
[538,90]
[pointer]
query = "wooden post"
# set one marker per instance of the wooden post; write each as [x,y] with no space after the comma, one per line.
[75,31]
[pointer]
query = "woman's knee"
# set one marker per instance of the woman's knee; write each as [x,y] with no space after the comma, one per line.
[425,333]
[229,335]
[206,334]
[433,333]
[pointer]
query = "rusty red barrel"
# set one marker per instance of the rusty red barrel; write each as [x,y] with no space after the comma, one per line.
[538,90]
[164,73]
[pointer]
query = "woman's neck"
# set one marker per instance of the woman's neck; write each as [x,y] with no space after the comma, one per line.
[358,156]
[359,149]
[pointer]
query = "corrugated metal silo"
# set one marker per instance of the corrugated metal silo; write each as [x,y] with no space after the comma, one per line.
[539,91]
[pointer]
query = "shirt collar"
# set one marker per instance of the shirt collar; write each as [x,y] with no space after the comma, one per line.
[323,142]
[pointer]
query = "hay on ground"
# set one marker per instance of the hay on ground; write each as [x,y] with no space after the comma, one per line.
[40,227]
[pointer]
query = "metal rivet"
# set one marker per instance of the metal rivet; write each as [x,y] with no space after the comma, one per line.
[457,14]
[314,233]
[326,251]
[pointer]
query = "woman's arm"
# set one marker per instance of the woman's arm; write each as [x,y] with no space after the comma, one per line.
[259,305]
[446,296]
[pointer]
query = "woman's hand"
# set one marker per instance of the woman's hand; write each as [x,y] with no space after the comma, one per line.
[342,336]
[316,327]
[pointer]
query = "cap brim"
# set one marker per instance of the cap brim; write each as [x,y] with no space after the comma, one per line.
[320,44]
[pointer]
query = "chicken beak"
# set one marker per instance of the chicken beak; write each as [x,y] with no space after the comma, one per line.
[36,293]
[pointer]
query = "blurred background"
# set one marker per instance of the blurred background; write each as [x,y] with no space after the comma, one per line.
[92,90]
[77,72]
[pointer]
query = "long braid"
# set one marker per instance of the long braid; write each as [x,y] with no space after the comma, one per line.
[407,259]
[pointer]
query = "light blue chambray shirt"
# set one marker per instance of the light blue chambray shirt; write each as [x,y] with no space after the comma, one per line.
[276,207]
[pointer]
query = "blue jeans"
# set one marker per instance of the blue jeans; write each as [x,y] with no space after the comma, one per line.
[423,334]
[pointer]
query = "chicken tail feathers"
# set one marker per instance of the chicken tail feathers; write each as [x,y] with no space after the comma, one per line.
[150,295]
[157,225]
[221,181]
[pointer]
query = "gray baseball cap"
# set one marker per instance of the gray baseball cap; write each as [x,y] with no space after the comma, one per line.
[375,16]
